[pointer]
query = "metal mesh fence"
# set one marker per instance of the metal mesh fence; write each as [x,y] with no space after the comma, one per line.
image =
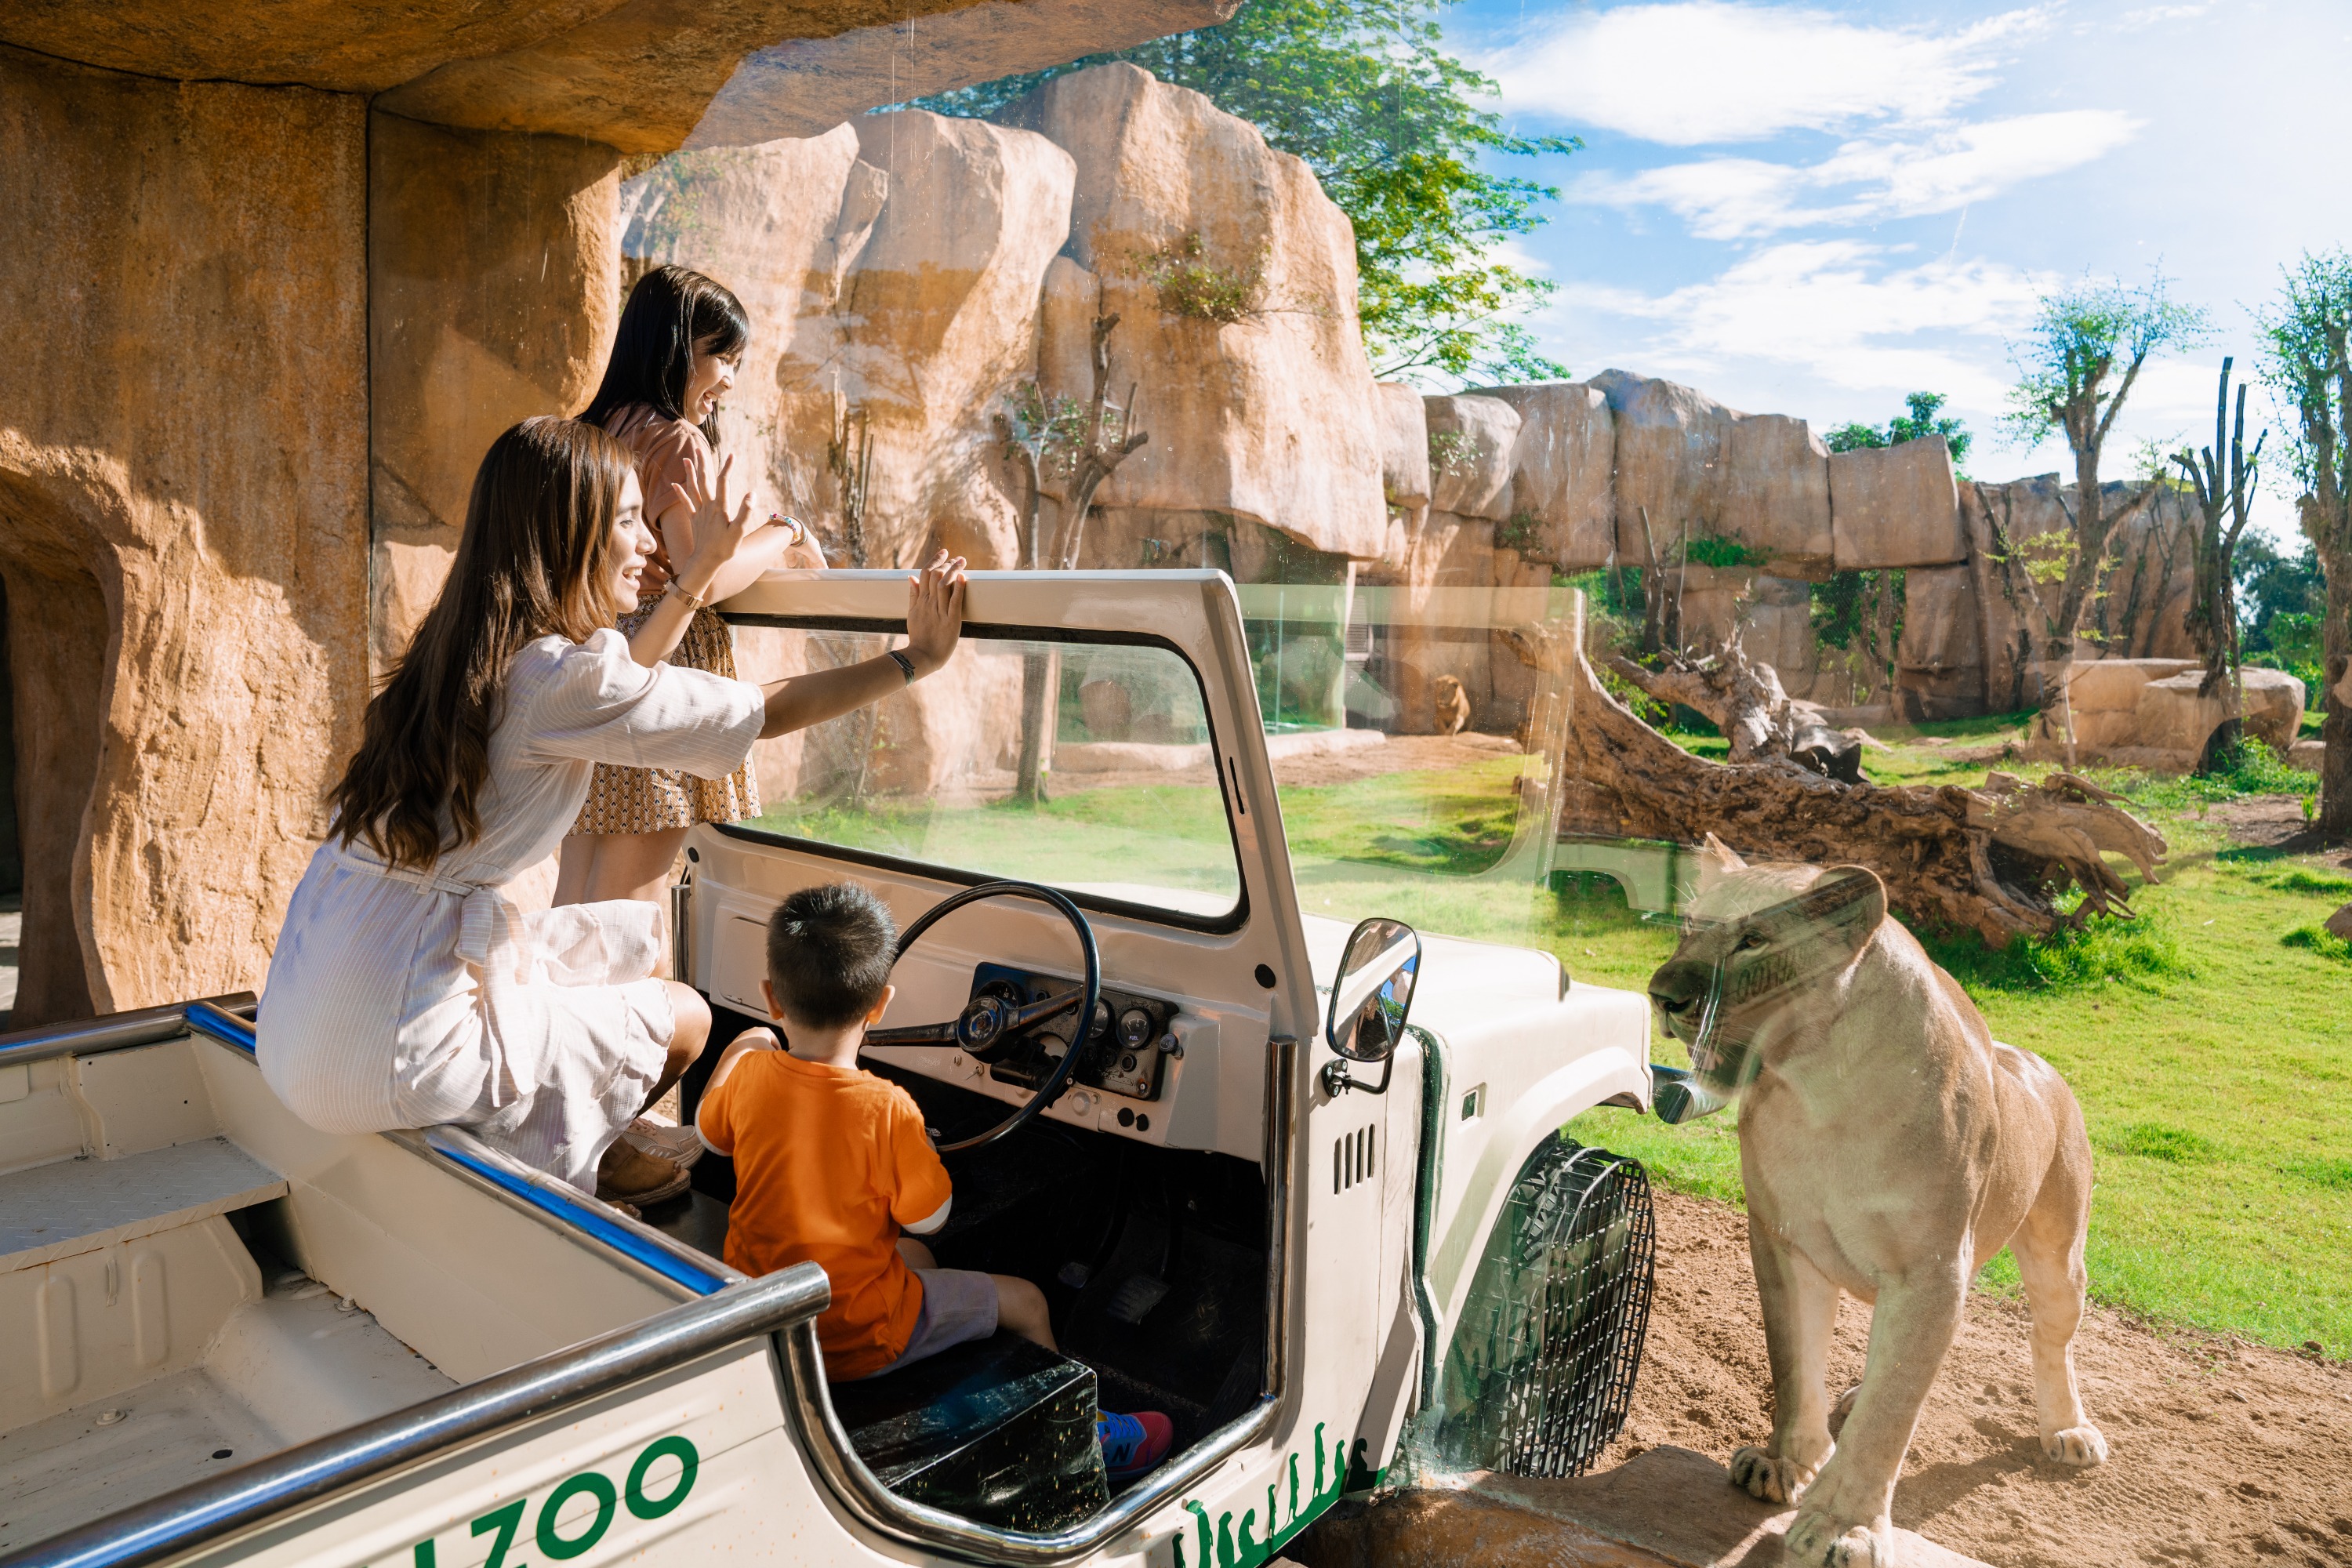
[1541,1373]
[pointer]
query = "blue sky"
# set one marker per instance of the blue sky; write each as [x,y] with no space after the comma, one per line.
[1814,208]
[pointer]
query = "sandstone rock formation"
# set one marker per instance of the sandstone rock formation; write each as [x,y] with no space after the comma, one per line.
[2146,712]
[183,515]
[1895,506]
[1233,278]
[1685,461]
[1564,469]
[1404,447]
[494,284]
[1472,443]
[1953,614]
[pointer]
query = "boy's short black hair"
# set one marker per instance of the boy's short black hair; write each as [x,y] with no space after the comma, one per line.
[829,955]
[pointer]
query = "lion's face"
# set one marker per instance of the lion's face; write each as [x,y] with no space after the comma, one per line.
[1754,943]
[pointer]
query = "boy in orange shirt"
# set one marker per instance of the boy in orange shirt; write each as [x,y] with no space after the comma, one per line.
[832,1165]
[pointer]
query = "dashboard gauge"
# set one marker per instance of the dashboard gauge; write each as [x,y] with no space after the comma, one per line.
[1134,1027]
[1102,1020]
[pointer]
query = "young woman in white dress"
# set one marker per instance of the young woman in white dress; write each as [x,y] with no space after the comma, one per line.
[407,991]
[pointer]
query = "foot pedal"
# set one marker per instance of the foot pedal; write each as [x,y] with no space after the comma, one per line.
[1135,1296]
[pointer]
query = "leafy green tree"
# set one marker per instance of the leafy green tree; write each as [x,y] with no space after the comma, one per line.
[1364,91]
[2272,583]
[2076,367]
[2307,361]
[1919,422]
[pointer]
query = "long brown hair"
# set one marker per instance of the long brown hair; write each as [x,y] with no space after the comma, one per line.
[534,559]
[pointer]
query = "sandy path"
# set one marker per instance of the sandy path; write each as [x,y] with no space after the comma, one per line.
[2223,1452]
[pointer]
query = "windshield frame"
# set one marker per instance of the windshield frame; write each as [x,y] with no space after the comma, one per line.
[1224,924]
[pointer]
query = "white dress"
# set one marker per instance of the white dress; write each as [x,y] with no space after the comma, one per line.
[408,999]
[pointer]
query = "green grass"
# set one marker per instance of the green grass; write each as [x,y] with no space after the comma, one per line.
[2210,1043]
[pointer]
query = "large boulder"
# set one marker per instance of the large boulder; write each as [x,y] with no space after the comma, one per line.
[1563,475]
[1404,446]
[1895,506]
[1233,278]
[1686,463]
[2147,714]
[1938,662]
[889,393]
[1471,444]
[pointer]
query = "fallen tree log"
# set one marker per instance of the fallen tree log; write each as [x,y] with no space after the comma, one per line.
[1994,861]
[1746,700]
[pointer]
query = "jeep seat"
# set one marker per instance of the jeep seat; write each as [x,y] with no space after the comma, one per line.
[999,1431]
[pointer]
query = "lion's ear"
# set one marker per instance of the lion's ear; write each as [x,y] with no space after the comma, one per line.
[1853,901]
[1717,859]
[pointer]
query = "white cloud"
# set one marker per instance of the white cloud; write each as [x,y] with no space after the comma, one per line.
[1837,310]
[2149,16]
[1713,70]
[1867,180]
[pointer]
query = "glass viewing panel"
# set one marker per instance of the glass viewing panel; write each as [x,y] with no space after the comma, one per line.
[1411,730]
[1112,793]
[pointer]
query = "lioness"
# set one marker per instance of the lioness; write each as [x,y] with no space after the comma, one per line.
[1450,707]
[1890,1145]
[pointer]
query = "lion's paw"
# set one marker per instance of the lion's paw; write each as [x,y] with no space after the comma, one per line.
[1770,1476]
[1819,1541]
[2081,1446]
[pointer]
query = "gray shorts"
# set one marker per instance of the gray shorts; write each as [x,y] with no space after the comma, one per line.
[959,1306]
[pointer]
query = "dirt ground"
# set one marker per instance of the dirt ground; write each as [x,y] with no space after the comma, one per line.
[2223,1452]
[2275,822]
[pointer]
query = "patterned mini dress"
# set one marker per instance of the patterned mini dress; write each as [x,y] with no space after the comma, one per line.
[671,455]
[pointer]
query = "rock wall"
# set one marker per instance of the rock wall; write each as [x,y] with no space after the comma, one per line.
[184,533]
[494,287]
[1233,278]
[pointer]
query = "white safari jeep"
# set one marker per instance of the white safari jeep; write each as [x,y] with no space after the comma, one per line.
[1299,1183]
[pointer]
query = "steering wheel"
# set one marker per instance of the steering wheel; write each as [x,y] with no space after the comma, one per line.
[988,1025]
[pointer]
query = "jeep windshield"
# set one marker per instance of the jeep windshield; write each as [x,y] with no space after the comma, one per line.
[1406,728]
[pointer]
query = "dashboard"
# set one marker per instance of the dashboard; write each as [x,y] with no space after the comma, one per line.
[1124,1043]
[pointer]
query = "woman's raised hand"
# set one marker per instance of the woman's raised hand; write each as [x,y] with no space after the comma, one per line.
[706,540]
[935,612]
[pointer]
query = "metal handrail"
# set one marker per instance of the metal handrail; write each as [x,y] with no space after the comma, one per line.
[254,1494]
[115,1031]
[816,1426]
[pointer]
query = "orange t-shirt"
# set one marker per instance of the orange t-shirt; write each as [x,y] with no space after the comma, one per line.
[829,1163]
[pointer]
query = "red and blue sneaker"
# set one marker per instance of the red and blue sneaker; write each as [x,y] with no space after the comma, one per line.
[1133,1445]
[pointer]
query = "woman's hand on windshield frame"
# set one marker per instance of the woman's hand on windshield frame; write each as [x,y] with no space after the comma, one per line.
[935,612]
[934,624]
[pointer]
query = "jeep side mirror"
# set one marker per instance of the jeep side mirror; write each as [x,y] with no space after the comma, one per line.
[1370,1000]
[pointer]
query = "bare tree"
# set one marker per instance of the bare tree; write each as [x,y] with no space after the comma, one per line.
[2223,478]
[2076,368]
[1047,436]
[1106,438]
[2308,360]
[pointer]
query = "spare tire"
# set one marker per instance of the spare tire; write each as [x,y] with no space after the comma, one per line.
[1540,1373]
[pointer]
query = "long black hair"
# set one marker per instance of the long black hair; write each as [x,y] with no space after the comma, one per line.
[535,557]
[672,314]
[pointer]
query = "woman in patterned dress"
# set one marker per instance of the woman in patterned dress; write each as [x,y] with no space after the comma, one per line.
[680,339]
